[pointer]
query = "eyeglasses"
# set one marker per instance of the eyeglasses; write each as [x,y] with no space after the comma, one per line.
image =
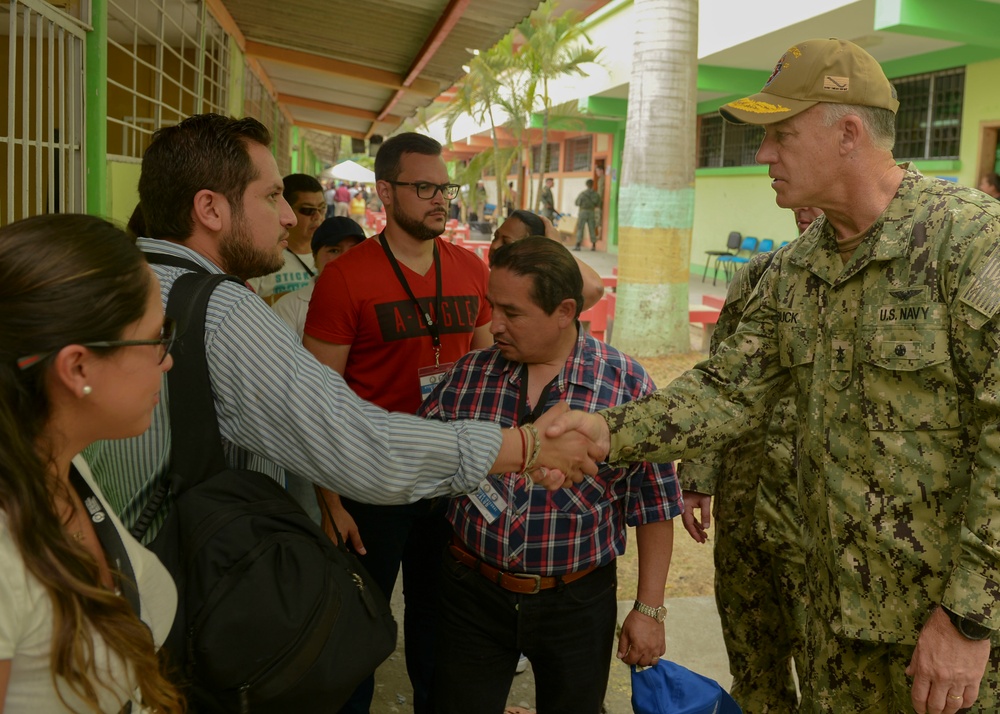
[427,191]
[310,211]
[168,333]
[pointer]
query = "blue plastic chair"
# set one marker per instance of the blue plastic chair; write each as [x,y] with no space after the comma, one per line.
[730,263]
[766,245]
[732,247]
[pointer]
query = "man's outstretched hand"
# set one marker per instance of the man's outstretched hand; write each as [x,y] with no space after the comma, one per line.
[564,457]
[591,426]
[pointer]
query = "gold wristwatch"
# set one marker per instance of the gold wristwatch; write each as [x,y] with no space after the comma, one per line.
[657,613]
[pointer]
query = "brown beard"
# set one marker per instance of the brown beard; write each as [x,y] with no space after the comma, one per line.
[415,228]
[241,257]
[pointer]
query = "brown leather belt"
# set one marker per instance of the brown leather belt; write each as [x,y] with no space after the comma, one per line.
[522,583]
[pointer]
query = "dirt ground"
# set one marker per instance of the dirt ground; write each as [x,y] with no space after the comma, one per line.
[691,574]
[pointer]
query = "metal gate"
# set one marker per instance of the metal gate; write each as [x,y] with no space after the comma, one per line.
[42,126]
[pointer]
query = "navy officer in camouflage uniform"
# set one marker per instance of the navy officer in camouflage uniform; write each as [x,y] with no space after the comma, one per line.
[883,317]
[760,584]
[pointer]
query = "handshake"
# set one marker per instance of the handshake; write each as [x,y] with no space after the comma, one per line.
[558,449]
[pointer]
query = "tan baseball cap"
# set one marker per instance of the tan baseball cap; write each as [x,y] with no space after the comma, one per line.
[811,72]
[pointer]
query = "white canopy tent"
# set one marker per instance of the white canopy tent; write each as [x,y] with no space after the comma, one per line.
[350,171]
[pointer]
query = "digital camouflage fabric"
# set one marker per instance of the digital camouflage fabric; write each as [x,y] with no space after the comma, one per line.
[760,587]
[893,357]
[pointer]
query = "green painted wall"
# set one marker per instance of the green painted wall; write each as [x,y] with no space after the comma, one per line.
[740,200]
[123,189]
[982,103]
[729,202]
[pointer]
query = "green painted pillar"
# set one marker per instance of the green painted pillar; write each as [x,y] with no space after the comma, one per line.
[95,107]
[296,150]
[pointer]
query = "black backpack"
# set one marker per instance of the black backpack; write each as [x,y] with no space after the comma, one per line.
[272,615]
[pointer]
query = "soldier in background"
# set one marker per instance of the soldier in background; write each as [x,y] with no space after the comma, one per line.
[546,201]
[760,586]
[587,201]
[884,317]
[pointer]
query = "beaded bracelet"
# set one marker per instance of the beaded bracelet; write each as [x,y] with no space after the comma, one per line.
[535,448]
[524,447]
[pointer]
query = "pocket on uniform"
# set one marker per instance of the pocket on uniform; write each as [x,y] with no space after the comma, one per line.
[908,382]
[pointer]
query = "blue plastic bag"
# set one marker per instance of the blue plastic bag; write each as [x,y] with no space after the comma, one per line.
[668,688]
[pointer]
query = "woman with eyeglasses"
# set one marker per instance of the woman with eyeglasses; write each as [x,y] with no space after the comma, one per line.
[83,349]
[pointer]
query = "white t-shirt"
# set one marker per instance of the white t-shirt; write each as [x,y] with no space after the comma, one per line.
[294,307]
[26,625]
[292,276]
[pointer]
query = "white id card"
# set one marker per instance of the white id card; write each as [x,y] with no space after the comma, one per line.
[430,376]
[489,501]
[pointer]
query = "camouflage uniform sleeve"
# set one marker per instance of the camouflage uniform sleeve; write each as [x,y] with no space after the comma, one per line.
[974,587]
[701,474]
[712,404]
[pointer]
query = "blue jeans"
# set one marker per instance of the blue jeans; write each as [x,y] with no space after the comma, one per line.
[567,633]
[415,536]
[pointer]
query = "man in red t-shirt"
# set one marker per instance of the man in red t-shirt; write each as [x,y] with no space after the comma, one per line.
[391,315]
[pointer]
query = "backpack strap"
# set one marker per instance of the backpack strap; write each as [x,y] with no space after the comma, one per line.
[196,443]
[175,261]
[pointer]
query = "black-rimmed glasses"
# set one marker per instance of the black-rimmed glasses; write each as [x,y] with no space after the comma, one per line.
[427,191]
[168,333]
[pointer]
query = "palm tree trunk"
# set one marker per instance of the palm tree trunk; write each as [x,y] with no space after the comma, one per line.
[497,169]
[544,153]
[656,199]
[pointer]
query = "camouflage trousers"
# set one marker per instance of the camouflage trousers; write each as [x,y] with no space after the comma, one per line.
[761,599]
[849,675]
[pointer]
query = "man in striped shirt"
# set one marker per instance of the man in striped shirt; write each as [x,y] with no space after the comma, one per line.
[212,200]
[534,572]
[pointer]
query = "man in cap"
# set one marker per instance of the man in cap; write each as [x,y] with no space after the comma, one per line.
[334,237]
[883,318]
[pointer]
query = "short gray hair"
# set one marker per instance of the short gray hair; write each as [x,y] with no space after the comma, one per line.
[879,123]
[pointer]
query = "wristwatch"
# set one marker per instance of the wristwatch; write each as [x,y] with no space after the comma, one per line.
[969,629]
[657,613]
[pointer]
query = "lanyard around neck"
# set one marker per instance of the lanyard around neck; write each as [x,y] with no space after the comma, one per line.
[524,415]
[432,326]
[305,267]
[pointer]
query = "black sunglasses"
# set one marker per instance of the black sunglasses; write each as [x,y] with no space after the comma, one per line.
[168,333]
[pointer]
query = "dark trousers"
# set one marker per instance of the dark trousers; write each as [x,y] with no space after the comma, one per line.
[415,536]
[567,633]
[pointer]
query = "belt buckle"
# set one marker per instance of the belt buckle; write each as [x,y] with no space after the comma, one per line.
[536,578]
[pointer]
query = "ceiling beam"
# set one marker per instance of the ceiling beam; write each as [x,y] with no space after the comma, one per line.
[445,24]
[371,75]
[294,101]
[329,129]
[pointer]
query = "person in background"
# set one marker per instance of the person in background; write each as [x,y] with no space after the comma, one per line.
[883,316]
[520,224]
[358,206]
[511,203]
[537,574]
[760,579]
[587,202]
[305,195]
[342,200]
[990,184]
[334,237]
[546,201]
[83,347]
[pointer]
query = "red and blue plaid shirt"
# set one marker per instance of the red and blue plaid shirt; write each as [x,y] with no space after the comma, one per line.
[544,532]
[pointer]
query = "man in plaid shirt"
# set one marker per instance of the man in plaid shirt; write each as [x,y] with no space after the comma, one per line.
[532,571]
